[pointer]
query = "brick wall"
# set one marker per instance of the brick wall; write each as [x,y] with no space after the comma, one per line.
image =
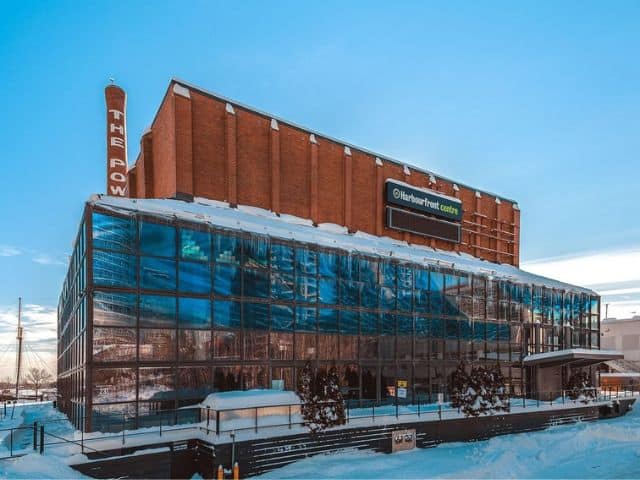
[201,145]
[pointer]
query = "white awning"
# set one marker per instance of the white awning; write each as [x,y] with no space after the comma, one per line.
[574,356]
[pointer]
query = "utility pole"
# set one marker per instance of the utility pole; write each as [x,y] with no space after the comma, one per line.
[19,338]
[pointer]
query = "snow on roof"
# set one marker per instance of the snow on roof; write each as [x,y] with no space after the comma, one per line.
[238,399]
[289,227]
[572,352]
[620,374]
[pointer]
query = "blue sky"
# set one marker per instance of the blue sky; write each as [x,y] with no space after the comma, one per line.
[537,101]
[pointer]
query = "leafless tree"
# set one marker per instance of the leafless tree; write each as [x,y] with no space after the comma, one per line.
[37,377]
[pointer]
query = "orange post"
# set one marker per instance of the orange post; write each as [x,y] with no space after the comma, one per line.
[220,472]
[236,471]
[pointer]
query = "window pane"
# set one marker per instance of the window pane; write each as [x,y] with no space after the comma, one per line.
[327,320]
[113,233]
[194,313]
[256,344]
[328,264]
[114,385]
[349,293]
[256,315]
[349,322]
[157,344]
[328,291]
[256,252]
[306,319]
[281,257]
[194,382]
[281,286]
[195,245]
[157,273]
[306,289]
[157,311]
[195,277]
[227,280]
[115,309]
[368,323]
[226,314]
[306,261]
[157,239]
[194,345]
[114,269]
[281,318]
[114,344]
[388,274]
[226,344]
[256,283]
[226,248]
[156,384]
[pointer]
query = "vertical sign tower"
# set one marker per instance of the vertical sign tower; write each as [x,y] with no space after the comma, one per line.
[116,100]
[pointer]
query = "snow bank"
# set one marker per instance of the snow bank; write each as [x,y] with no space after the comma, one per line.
[239,399]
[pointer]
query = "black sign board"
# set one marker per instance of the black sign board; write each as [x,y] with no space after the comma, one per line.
[422,225]
[404,195]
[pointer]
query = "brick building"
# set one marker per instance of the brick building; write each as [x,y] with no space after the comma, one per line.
[241,246]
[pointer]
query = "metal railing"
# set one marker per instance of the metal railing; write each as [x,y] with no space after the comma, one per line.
[22,439]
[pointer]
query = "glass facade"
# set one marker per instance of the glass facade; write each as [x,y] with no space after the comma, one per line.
[166,312]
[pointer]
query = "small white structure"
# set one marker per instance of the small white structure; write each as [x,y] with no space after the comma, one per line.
[251,409]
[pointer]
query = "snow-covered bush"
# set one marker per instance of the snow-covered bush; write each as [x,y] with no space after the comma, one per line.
[579,387]
[480,392]
[322,402]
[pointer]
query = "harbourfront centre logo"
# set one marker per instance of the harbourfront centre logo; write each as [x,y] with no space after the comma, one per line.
[419,199]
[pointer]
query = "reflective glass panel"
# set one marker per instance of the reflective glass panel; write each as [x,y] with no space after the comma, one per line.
[194,345]
[114,385]
[194,313]
[281,318]
[195,277]
[156,384]
[157,239]
[281,286]
[113,233]
[256,252]
[157,344]
[256,283]
[256,316]
[157,311]
[114,344]
[114,309]
[281,257]
[157,273]
[195,245]
[227,280]
[114,269]
[226,314]
[226,248]
[328,264]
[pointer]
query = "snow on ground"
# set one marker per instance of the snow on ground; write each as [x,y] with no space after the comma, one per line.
[601,449]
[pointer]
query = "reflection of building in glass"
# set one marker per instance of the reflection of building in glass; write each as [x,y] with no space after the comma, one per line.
[248,246]
[176,307]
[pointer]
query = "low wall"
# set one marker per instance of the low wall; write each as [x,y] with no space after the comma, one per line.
[183,459]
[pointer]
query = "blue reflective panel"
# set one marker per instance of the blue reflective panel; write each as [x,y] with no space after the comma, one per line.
[114,269]
[405,276]
[492,332]
[281,286]
[435,303]
[226,314]
[422,326]
[194,277]
[306,289]
[451,327]
[388,274]
[113,233]
[281,257]
[478,330]
[256,252]
[436,281]
[368,323]
[157,273]
[157,239]
[466,330]
[226,248]
[256,316]
[157,311]
[368,271]
[328,264]
[281,318]
[575,316]
[404,300]
[115,309]
[526,295]
[256,283]
[387,298]
[436,328]
[349,322]
[387,324]
[327,320]
[557,308]
[349,293]
[421,279]
[306,261]
[306,319]
[194,313]
[195,245]
[421,301]
[327,291]
[451,284]
[504,332]
[451,306]
[369,296]
[348,267]
[595,301]
[405,324]
[226,280]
